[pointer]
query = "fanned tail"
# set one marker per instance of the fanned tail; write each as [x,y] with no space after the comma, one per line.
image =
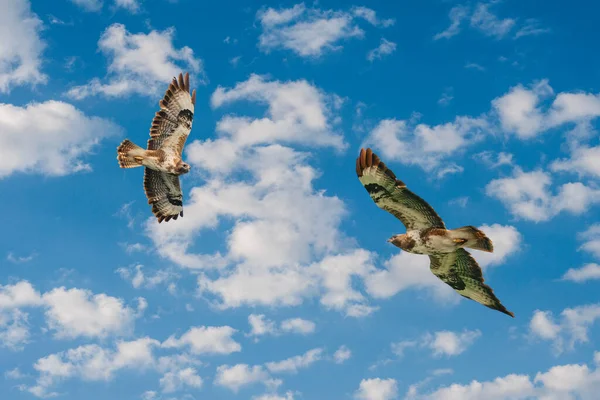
[475,238]
[129,154]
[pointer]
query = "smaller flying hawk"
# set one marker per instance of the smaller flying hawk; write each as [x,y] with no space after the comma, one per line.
[427,234]
[170,129]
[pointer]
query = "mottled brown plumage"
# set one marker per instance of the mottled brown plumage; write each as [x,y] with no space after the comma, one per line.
[162,159]
[427,234]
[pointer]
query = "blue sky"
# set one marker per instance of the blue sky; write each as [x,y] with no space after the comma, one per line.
[278,283]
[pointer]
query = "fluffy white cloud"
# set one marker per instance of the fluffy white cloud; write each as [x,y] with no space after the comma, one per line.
[270,396]
[449,343]
[586,273]
[377,389]
[239,375]
[261,326]
[307,32]
[293,364]
[285,244]
[20,46]
[176,380]
[427,146]
[132,6]
[404,270]
[342,354]
[441,343]
[591,238]
[140,63]
[206,340]
[20,294]
[528,195]
[457,15]
[91,363]
[519,110]
[488,23]
[310,32]
[559,382]
[89,5]
[50,138]
[385,48]
[77,312]
[298,325]
[572,328]
[139,279]
[14,329]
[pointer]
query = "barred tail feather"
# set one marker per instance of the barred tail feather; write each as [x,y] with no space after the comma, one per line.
[129,154]
[476,239]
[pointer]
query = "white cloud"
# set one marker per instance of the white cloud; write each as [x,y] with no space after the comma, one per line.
[298,325]
[371,16]
[311,32]
[206,340]
[446,97]
[532,27]
[132,6]
[309,256]
[91,363]
[20,259]
[50,138]
[472,65]
[507,240]
[447,343]
[14,373]
[89,5]
[240,375]
[14,329]
[140,63]
[377,389]
[572,328]
[385,48]
[519,110]
[424,145]
[559,382]
[270,396]
[586,273]
[20,46]
[494,160]
[20,294]
[440,343]
[457,15]
[261,326]
[176,380]
[342,354]
[489,23]
[139,279]
[293,364]
[591,236]
[527,195]
[308,33]
[77,312]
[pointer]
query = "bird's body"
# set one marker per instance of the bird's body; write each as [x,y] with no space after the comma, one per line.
[162,158]
[427,234]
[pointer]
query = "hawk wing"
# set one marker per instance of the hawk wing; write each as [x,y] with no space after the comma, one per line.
[392,195]
[164,194]
[461,272]
[173,123]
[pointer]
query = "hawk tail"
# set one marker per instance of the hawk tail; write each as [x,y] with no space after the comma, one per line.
[129,154]
[474,238]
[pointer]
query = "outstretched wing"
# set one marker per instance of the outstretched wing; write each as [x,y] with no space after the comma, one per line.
[392,195]
[460,270]
[164,194]
[173,123]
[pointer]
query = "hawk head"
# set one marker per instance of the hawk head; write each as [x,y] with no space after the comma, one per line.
[402,241]
[182,168]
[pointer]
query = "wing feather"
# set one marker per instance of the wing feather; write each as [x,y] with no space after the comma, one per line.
[176,105]
[462,272]
[164,194]
[392,195]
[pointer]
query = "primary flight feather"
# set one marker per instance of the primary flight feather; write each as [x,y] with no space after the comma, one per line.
[427,234]
[162,158]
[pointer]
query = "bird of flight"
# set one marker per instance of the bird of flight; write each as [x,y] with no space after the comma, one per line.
[162,159]
[427,234]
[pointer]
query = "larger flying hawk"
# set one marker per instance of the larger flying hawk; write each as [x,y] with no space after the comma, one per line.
[162,159]
[427,234]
